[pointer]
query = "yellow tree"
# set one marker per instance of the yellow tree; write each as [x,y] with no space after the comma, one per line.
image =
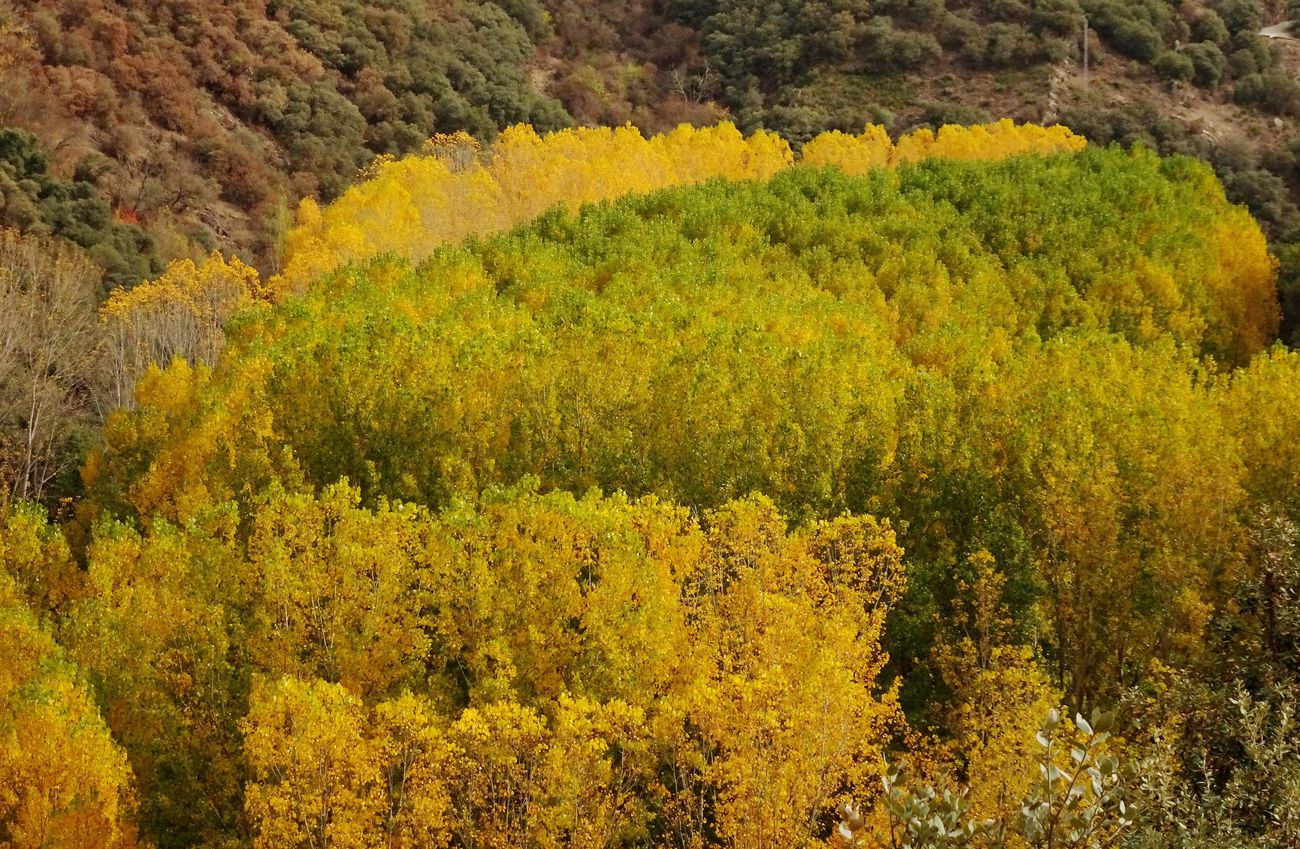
[496,774]
[1254,406]
[327,773]
[1000,696]
[1114,464]
[601,773]
[155,631]
[337,590]
[788,715]
[853,154]
[35,556]
[534,596]
[63,781]
[412,751]
[873,148]
[315,772]
[185,457]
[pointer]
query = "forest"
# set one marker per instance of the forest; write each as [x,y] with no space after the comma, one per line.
[590,488]
[680,424]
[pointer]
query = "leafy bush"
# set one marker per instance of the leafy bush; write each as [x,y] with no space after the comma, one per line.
[33,200]
[1082,801]
[1208,26]
[1135,39]
[1173,65]
[947,113]
[1242,18]
[1288,284]
[1209,65]
[1010,45]
[1219,767]
[1276,91]
[911,50]
[1060,17]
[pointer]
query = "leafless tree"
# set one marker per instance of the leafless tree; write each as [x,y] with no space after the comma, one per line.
[693,88]
[49,359]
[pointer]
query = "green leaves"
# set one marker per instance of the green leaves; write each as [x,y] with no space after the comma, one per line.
[1082,803]
[920,819]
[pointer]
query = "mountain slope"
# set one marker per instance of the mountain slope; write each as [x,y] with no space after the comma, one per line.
[201,119]
[203,123]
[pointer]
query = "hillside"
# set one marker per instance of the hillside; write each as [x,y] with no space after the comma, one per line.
[201,120]
[665,424]
[191,125]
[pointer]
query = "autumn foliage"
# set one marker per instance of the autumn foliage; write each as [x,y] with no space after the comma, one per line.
[63,778]
[604,491]
[412,205]
[181,314]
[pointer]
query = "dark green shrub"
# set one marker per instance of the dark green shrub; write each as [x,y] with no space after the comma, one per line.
[1241,17]
[1275,91]
[1063,17]
[955,31]
[1209,65]
[1210,27]
[1254,58]
[1007,10]
[936,114]
[1136,40]
[1263,192]
[1010,45]
[1173,65]
[1288,287]
[919,12]
[33,200]
[1243,63]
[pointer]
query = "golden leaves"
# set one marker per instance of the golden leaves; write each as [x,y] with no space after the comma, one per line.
[411,205]
[63,781]
[180,315]
[874,149]
[587,687]
[316,776]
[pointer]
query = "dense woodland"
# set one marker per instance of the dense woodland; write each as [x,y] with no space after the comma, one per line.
[590,489]
[399,448]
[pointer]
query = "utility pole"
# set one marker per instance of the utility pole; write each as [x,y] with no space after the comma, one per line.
[1085,53]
